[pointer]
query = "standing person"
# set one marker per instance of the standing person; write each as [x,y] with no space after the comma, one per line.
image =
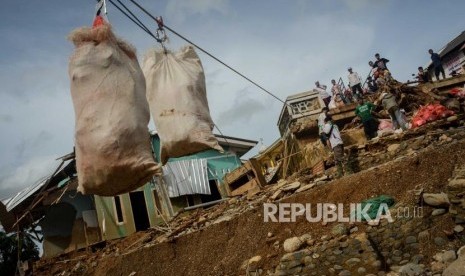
[355,83]
[321,89]
[370,126]
[437,64]
[381,63]
[372,86]
[321,124]
[388,100]
[336,90]
[337,145]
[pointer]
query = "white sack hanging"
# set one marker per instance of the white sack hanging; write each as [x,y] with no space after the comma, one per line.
[113,150]
[178,102]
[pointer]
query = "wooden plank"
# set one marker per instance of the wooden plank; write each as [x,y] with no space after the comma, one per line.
[257,172]
[236,174]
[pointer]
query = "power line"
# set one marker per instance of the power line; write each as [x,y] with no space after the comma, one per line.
[188,41]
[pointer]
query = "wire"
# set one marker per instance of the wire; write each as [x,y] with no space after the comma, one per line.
[134,19]
[207,53]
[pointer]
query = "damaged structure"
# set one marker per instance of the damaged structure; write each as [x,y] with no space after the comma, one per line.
[69,220]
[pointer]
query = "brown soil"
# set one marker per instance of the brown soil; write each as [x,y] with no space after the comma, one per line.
[221,249]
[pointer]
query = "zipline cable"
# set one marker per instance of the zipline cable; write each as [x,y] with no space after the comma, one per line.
[134,19]
[205,52]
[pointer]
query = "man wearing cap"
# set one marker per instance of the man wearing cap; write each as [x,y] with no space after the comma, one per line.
[324,95]
[355,83]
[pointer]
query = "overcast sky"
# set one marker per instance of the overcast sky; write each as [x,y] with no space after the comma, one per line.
[284,45]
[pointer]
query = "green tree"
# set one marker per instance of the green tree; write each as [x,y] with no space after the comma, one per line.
[9,251]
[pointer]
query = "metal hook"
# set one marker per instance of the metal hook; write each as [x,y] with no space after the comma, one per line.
[101,5]
[160,34]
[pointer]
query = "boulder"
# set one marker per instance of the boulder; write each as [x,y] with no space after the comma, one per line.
[436,200]
[292,244]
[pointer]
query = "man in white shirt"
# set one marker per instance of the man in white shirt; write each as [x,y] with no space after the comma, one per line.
[332,132]
[321,89]
[355,83]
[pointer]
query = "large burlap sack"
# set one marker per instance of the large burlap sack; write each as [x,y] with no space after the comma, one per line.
[178,102]
[113,151]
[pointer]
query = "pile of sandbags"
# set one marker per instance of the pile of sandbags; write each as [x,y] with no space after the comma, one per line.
[429,113]
[113,149]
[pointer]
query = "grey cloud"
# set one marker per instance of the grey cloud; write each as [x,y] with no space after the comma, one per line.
[5,118]
[180,9]
[14,179]
[243,108]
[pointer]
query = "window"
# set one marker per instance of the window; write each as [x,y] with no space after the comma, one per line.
[305,106]
[119,209]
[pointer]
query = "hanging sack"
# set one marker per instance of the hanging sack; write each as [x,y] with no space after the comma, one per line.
[113,150]
[178,102]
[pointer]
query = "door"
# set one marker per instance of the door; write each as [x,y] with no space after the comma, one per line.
[139,210]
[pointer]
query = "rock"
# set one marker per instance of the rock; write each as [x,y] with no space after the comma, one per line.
[436,199]
[410,240]
[452,118]
[448,256]
[456,267]
[423,236]
[439,241]
[438,212]
[305,238]
[361,271]
[292,244]
[458,229]
[223,218]
[233,201]
[353,261]
[392,148]
[252,264]
[324,238]
[353,229]
[201,219]
[411,269]
[461,251]
[339,230]
[291,187]
[269,235]
[305,187]
[132,273]
[417,258]
[456,184]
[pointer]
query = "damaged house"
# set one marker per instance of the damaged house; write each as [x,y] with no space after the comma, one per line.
[69,220]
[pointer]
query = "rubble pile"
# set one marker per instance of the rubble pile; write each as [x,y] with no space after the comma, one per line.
[424,245]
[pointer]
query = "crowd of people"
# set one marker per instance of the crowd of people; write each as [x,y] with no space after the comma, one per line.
[339,95]
[387,100]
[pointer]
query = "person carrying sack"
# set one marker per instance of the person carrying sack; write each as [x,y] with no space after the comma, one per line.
[337,145]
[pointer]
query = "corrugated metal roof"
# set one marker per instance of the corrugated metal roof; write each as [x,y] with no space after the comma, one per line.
[454,43]
[11,203]
[186,177]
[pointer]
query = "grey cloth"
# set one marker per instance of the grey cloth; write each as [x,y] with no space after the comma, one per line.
[389,101]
